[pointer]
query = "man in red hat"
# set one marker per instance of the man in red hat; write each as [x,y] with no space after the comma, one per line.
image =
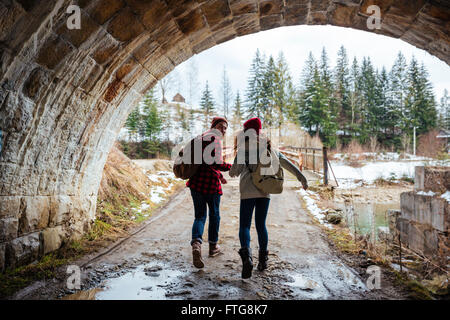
[206,190]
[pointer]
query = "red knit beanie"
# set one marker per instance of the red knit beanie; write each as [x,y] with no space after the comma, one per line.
[217,120]
[253,123]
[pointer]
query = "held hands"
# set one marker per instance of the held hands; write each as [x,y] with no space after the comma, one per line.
[305,185]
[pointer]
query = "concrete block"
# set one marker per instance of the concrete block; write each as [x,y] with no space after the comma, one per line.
[61,208]
[422,209]
[431,243]
[407,205]
[52,239]
[402,226]
[422,239]
[440,210]
[22,251]
[416,238]
[34,215]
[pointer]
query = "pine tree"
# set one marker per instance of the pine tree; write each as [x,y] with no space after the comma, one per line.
[184,121]
[399,90]
[191,121]
[325,73]
[268,93]
[384,104]
[342,90]
[151,121]
[369,109]
[284,91]
[207,105]
[166,117]
[237,113]
[444,111]
[355,97]
[307,93]
[316,106]
[255,91]
[132,124]
[420,105]
[327,102]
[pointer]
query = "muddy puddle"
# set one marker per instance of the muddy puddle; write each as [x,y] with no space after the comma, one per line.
[307,287]
[333,281]
[152,281]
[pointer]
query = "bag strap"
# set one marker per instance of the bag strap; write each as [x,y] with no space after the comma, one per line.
[247,164]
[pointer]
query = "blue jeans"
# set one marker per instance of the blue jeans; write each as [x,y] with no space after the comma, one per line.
[261,206]
[200,203]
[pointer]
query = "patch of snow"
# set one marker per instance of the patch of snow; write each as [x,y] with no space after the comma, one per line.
[145,206]
[374,170]
[162,176]
[349,183]
[154,177]
[156,194]
[383,229]
[446,196]
[423,193]
[386,156]
[312,206]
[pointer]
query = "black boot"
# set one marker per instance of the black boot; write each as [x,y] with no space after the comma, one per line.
[247,262]
[262,260]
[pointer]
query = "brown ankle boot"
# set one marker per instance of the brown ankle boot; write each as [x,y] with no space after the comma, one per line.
[214,249]
[197,255]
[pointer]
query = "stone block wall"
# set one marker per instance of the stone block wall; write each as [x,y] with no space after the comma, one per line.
[424,221]
[33,226]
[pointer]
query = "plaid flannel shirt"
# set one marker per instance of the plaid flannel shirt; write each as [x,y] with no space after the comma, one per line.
[208,178]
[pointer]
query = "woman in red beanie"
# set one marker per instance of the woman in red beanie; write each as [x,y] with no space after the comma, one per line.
[247,147]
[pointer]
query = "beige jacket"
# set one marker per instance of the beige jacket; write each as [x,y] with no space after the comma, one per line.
[247,189]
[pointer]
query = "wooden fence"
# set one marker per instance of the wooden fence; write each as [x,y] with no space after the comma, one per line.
[306,158]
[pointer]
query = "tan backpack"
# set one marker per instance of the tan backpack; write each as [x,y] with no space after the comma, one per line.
[269,183]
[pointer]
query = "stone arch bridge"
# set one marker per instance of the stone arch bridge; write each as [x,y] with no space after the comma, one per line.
[65,94]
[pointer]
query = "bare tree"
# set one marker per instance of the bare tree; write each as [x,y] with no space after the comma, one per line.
[225,93]
[373,144]
[165,84]
[192,79]
[406,141]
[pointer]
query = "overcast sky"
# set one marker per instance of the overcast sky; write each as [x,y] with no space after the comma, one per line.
[296,43]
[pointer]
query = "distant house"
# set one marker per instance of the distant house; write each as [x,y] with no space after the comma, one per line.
[179,98]
[445,134]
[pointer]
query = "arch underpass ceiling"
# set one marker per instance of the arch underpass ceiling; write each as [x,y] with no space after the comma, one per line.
[65,94]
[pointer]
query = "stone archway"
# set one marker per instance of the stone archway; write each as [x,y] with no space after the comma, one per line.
[65,94]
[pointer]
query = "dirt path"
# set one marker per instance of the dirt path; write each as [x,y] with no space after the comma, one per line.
[156,263]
